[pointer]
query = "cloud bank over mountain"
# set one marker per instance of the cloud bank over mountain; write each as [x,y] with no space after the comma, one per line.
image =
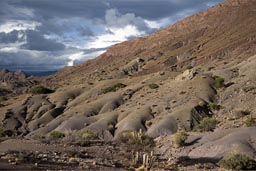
[54,34]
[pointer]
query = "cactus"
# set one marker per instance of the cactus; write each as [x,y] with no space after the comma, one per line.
[146,159]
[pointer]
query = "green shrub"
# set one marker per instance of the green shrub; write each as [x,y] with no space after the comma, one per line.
[38,89]
[3,98]
[207,124]
[219,82]
[238,162]
[56,135]
[250,122]
[245,112]
[8,133]
[2,133]
[86,136]
[114,88]
[153,86]
[241,113]
[4,92]
[135,138]
[214,106]
[89,135]
[180,138]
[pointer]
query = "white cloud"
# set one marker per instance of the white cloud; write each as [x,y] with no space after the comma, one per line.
[119,28]
[18,25]
[9,49]
[73,57]
[3,46]
[116,35]
[21,57]
[93,55]
[116,20]
[153,24]
[81,57]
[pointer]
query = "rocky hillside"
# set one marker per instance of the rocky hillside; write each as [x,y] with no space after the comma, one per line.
[14,82]
[222,33]
[195,79]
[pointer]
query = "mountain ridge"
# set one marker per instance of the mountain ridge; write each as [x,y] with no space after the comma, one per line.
[186,32]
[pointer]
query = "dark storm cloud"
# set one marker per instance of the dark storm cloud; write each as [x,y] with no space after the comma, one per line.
[47,9]
[49,12]
[36,41]
[10,12]
[12,37]
[148,9]
[158,9]
[25,57]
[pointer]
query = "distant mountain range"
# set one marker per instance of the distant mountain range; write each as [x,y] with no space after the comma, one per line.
[39,73]
[35,72]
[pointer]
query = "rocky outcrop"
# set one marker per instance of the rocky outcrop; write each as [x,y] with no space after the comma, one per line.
[8,77]
[16,82]
[133,67]
[186,75]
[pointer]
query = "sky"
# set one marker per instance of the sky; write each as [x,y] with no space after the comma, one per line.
[47,35]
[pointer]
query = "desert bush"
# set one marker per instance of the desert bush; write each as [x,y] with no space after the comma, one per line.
[56,135]
[38,89]
[250,122]
[153,86]
[180,138]
[214,106]
[219,82]
[3,98]
[4,92]
[2,133]
[89,135]
[238,162]
[86,136]
[114,88]
[202,103]
[135,138]
[245,112]
[241,113]
[207,124]
[18,84]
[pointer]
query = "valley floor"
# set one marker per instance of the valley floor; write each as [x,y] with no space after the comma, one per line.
[33,155]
